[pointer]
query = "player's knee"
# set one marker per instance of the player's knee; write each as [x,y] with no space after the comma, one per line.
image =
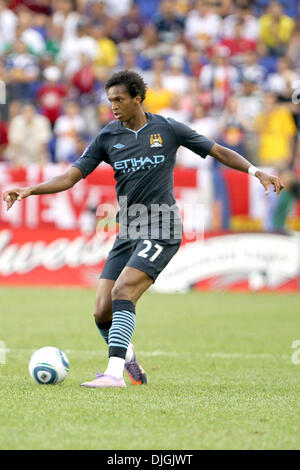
[123,290]
[103,312]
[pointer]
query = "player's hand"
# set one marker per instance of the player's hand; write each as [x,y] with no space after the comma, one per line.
[270,180]
[10,196]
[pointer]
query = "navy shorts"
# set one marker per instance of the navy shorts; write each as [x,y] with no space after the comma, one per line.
[149,256]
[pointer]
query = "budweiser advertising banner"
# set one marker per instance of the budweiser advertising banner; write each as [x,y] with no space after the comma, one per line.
[51,257]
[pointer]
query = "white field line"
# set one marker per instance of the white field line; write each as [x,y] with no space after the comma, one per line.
[216,355]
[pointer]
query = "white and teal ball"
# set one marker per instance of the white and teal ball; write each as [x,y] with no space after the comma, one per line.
[48,365]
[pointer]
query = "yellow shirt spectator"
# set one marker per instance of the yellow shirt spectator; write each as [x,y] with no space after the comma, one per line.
[276,129]
[157,99]
[107,53]
[274,32]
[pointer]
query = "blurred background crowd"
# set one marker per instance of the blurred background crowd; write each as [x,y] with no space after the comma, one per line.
[228,68]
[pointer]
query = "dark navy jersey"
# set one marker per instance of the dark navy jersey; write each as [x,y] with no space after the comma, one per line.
[143,160]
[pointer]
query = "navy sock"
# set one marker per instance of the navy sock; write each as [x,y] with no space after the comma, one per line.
[123,326]
[103,329]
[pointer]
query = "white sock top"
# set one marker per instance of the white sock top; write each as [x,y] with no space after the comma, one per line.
[115,367]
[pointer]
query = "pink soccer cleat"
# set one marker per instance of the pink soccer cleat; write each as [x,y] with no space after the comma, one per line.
[105,381]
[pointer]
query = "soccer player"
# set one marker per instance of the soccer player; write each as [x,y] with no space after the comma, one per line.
[141,147]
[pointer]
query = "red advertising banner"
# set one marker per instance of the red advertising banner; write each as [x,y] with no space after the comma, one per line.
[69,210]
[51,257]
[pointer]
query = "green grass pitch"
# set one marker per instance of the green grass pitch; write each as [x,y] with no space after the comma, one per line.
[219,367]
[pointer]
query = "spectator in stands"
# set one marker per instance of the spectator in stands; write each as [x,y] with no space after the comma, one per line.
[203,25]
[105,114]
[117,8]
[158,67]
[129,59]
[237,44]
[84,80]
[28,33]
[88,40]
[251,70]
[53,40]
[28,136]
[195,96]
[34,6]
[51,94]
[168,23]
[85,84]
[276,29]
[65,17]
[106,49]
[22,71]
[213,185]
[14,109]
[225,7]
[157,96]
[175,110]
[284,81]
[194,62]
[230,127]
[249,23]
[204,124]
[73,46]
[174,78]
[219,77]
[67,129]
[131,25]
[276,130]
[97,13]
[265,58]
[293,50]
[249,104]
[150,47]
[40,24]
[8,24]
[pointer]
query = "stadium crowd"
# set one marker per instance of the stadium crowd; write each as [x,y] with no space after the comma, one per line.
[230,69]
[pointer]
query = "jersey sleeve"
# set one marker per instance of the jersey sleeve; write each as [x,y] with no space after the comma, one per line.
[93,155]
[190,139]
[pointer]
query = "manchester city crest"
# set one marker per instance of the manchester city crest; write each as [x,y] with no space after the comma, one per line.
[155,140]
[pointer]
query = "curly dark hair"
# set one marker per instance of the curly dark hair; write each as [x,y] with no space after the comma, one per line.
[133,82]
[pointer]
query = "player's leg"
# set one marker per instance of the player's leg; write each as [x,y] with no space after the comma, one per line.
[148,259]
[128,288]
[103,308]
[103,319]
[115,262]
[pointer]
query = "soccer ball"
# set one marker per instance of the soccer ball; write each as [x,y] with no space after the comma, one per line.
[48,365]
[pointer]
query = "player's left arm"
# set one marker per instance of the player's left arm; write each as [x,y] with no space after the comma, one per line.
[234,160]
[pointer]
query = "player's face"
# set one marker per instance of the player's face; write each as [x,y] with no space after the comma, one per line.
[123,105]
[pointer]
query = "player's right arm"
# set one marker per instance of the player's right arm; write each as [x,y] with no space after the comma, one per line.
[89,160]
[54,185]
